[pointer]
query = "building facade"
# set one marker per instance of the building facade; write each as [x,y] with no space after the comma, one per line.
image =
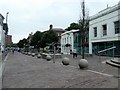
[104,31]
[2,37]
[9,40]
[2,34]
[71,40]
[78,42]
[67,41]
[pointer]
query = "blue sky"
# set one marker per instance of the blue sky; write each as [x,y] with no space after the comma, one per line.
[26,16]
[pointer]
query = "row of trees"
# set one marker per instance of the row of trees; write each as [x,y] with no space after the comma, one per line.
[42,39]
[39,39]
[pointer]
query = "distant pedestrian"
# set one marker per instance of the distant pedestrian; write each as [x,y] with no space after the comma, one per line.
[70,51]
[74,53]
[13,50]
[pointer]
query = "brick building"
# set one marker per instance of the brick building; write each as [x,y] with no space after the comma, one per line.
[9,40]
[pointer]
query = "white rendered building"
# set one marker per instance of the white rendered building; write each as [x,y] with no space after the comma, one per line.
[67,41]
[2,33]
[104,30]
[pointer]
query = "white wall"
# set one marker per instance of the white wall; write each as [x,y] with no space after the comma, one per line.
[3,41]
[0,33]
[70,36]
[108,19]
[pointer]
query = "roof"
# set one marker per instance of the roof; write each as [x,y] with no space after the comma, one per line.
[58,29]
[105,11]
[71,31]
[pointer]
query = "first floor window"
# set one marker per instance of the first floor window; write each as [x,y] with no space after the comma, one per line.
[95,31]
[104,30]
[117,27]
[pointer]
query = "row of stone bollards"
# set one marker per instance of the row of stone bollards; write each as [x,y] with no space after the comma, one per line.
[83,63]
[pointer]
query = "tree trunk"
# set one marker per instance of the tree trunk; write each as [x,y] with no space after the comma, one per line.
[83,44]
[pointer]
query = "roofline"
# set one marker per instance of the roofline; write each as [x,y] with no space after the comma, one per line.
[71,31]
[105,11]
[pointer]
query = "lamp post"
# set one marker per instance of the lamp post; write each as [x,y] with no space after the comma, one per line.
[7,17]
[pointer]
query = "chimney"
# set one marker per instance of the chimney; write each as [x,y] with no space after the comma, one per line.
[51,26]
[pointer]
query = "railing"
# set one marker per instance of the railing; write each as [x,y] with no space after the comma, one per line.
[106,49]
[112,48]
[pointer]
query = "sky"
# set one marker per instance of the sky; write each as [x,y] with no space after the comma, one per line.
[26,16]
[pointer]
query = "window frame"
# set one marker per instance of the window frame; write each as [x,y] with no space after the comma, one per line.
[95,31]
[104,29]
[117,28]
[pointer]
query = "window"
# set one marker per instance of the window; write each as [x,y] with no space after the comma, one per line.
[95,31]
[117,27]
[104,30]
[70,40]
[65,40]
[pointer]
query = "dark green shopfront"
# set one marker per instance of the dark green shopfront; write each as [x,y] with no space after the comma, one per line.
[78,42]
[105,45]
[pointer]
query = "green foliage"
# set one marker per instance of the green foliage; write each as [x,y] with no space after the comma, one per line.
[35,41]
[85,25]
[48,37]
[40,39]
[73,26]
[22,42]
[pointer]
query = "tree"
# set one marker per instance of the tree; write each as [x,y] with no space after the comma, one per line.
[84,25]
[35,41]
[22,43]
[48,38]
[73,26]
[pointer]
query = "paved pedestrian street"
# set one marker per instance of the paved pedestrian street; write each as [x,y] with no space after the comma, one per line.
[23,71]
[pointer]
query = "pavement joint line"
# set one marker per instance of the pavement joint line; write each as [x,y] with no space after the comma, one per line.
[100,73]
[91,71]
[3,65]
[103,70]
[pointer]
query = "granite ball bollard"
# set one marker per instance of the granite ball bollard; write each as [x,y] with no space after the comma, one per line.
[48,57]
[83,63]
[38,56]
[66,61]
[29,53]
[26,53]
[33,54]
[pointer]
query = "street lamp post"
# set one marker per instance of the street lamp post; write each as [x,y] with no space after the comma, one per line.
[7,17]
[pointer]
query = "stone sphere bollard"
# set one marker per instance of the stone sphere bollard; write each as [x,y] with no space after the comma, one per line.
[29,53]
[83,63]
[48,57]
[38,56]
[66,61]
[26,53]
[33,54]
